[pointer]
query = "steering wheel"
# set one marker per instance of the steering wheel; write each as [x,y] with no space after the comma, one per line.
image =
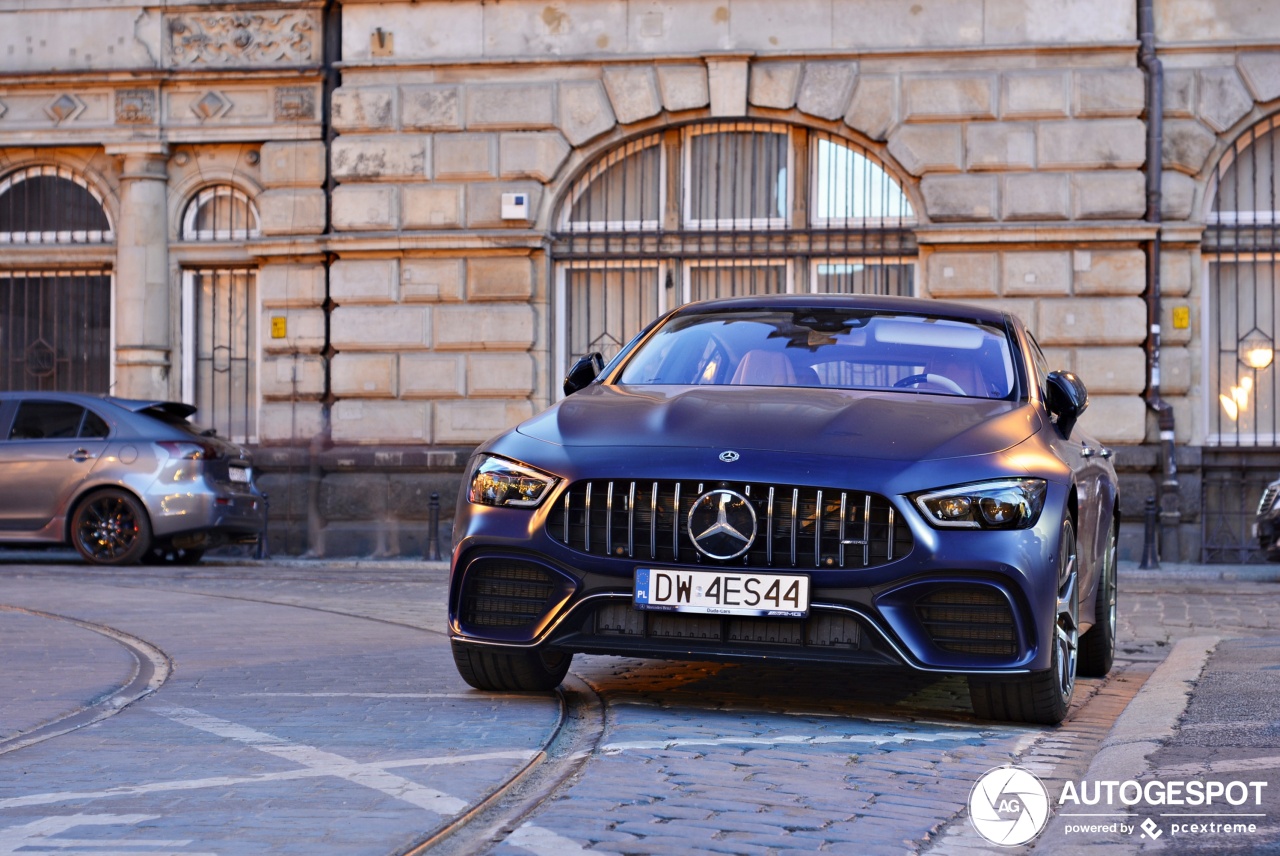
[935,379]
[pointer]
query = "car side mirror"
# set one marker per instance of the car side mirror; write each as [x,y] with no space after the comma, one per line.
[1067,399]
[585,370]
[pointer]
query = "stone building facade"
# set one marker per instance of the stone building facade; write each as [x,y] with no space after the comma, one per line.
[364,237]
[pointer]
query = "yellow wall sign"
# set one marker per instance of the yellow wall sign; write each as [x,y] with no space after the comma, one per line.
[279,328]
[1181,317]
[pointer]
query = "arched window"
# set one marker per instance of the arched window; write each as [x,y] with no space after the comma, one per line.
[722,209]
[51,205]
[1241,243]
[220,213]
[55,322]
[220,311]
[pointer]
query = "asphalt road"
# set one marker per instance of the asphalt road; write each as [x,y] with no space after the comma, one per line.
[314,708]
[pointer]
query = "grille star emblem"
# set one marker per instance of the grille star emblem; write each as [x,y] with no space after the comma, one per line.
[722,524]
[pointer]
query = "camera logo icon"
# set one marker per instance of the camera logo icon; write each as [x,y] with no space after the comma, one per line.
[1008,806]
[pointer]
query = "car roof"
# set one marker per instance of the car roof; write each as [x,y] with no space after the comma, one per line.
[912,305]
[133,405]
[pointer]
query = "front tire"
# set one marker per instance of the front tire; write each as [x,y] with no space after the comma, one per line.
[111,527]
[1041,697]
[1098,645]
[510,669]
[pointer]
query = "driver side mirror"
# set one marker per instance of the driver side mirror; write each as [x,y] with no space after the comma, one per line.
[1067,398]
[585,370]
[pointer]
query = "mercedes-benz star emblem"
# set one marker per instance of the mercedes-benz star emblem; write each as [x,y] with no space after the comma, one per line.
[729,457]
[722,524]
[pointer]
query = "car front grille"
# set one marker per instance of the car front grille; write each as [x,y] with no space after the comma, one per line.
[505,593]
[796,526]
[1268,498]
[971,619]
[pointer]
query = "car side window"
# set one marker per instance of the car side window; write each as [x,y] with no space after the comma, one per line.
[48,420]
[94,426]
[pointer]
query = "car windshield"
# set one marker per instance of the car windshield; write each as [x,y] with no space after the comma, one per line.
[828,347]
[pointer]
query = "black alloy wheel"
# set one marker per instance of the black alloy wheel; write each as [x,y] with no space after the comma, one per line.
[111,527]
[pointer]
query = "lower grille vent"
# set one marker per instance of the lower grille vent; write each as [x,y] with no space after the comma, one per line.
[504,593]
[817,631]
[969,620]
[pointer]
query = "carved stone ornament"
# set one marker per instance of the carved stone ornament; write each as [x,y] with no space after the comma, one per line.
[242,38]
[135,107]
[4,108]
[64,107]
[214,105]
[295,103]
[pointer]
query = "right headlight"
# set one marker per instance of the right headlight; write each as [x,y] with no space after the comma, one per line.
[998,504]
[503,483]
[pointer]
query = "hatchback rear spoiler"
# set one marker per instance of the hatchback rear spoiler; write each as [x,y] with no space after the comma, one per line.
[162,409]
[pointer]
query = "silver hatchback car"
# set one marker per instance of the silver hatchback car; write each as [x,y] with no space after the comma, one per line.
[122,481]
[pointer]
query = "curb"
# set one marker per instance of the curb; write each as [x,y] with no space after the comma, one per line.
[1151,717]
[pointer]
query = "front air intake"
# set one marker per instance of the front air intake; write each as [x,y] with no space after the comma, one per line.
[505,593]
[971,619]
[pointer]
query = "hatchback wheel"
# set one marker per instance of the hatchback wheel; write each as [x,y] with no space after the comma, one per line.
[1098,645]
[111,527]
[1041,697]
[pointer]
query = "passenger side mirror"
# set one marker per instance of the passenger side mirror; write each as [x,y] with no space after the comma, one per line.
[585,370]
[1067,398]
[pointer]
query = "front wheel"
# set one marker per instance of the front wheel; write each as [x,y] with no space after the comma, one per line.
[111,527]
[510,669]
[1098,645]
[1041,697]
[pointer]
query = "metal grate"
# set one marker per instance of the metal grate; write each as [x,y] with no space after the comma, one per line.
[221,355]
[56,329]
[797,526]
[499,593]
[721,209]
[1231,498]
[969,620]
[220,213]
[51,205]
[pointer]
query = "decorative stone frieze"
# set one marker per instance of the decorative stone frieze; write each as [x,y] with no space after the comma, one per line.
[212,105]
[65,108]
[242,38]
[135,106]
[295,104]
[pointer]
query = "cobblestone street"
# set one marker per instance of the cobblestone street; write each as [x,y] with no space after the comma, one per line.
[315,708]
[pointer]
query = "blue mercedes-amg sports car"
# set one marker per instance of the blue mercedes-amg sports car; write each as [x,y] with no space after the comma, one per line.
[840,479]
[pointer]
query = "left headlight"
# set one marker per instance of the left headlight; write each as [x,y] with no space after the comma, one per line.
[503,483]
[1001,504]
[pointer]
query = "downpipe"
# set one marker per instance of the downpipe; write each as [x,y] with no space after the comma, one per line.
[1168,488]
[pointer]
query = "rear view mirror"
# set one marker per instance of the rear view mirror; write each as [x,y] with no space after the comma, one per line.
[585,370]
[1067,399]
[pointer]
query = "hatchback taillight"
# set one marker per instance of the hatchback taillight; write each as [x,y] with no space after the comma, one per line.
[188,451]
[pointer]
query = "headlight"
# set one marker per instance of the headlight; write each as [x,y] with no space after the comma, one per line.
[497,481]
[1003,504]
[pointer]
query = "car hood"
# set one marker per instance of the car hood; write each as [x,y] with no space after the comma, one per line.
[850,423]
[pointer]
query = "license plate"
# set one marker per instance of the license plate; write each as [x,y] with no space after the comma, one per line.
[239,474]
[722,592]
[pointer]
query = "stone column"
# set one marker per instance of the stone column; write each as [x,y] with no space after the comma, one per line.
[142,318]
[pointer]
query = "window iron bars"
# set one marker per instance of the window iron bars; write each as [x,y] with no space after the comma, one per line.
[51,205]
[220,213]
[56,330]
